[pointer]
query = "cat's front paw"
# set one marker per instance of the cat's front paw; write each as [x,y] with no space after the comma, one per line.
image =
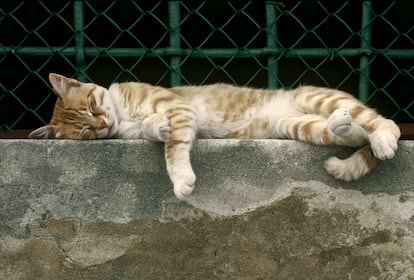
[340,122]
[156,128]
[384,144]
[184,186]
[164,129]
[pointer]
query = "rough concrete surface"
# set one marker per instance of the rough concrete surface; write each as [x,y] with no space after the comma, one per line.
[262,209]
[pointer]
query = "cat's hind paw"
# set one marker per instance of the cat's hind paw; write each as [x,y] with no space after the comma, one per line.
[384,144]
[340,122]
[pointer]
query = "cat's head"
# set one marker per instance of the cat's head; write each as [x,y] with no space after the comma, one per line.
[82,111]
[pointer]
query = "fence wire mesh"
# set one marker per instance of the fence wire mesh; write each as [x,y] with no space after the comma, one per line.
[365,48]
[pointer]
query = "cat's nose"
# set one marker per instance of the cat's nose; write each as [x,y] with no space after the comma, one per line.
[102,123]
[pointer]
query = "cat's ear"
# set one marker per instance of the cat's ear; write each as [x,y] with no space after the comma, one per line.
[44,132]
[63,85]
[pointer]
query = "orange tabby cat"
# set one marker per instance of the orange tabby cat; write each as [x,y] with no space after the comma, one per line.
[176,115]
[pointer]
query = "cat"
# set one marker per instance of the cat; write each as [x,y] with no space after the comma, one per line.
[178,115]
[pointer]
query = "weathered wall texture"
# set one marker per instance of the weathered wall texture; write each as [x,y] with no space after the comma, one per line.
[262,209]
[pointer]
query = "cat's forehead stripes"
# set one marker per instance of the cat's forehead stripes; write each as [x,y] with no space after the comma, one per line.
[96,95]
[89,95]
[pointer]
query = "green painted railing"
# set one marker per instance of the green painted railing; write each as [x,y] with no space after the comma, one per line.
[283,47]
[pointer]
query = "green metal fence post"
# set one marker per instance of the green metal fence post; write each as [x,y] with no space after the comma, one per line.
[78,16]
[174,26]
[365,71]
[271,42]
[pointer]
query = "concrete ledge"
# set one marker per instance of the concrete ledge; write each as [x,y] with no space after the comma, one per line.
[261,209]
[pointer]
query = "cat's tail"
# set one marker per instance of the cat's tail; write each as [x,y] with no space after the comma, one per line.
[353,167]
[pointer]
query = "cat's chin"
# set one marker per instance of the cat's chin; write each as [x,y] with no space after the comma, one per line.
[112,130]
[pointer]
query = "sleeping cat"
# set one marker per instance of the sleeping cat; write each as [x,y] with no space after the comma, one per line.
[177,115]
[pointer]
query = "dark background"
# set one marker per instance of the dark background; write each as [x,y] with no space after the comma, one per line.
[26,100]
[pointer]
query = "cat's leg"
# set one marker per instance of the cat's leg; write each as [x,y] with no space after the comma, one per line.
[177,156]
[362,161]
[339,129]
[383,134]
[354,167]
[178,140]
[156,127]
[383,137]
[177,150]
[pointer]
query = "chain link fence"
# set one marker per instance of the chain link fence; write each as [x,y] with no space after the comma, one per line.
[363,47]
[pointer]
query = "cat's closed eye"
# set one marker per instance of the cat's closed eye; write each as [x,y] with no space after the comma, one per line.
[96,111]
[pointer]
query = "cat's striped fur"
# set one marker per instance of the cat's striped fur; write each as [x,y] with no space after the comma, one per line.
[176,116]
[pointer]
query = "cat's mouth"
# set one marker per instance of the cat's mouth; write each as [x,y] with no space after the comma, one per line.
[112,127]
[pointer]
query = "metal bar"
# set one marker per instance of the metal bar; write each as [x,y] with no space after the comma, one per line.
[175,42]
[203,53]
[365,71]
[271,42]
[78,9]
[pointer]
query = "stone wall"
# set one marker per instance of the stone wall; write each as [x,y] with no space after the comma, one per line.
[262,209]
